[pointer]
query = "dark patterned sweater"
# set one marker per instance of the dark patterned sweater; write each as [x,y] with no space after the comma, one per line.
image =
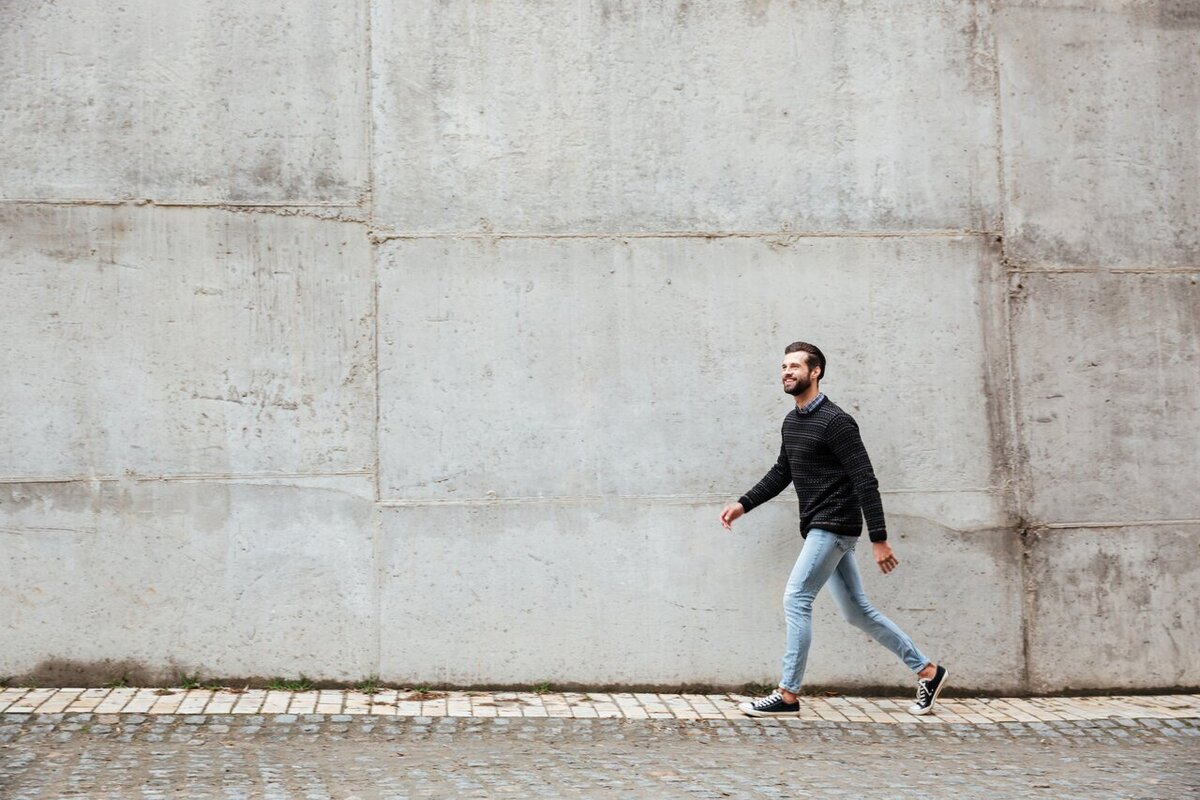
[822,455]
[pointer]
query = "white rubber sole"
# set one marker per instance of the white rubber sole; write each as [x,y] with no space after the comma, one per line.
[921,712]
[749,711]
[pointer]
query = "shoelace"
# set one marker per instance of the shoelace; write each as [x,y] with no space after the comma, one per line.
[768,700]
[922,691]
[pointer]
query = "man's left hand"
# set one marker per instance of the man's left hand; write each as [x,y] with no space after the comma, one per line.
[884,556]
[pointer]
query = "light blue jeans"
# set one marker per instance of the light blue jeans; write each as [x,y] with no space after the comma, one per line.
[828,557]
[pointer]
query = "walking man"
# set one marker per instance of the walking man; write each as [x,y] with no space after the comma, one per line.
[823,457]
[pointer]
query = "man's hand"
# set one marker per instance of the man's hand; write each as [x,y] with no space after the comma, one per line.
[884,556]
[731,512]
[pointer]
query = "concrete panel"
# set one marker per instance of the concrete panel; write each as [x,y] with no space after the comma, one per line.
[575,368]
[1101,132]
[645,592]
[183,341]
[1115,608]
[1108,407]
[622,115]
[247,579]
[217,100]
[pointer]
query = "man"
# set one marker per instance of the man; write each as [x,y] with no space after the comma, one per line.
[823,457]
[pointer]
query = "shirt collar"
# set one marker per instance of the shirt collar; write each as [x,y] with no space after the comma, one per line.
[811,405]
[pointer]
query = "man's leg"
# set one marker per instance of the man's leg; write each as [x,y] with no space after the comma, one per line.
[847,590]
[846,587]
[818,559]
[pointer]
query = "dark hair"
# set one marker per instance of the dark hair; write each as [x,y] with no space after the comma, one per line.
[814,356]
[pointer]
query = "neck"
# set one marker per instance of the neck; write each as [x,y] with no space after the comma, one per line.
[804,399]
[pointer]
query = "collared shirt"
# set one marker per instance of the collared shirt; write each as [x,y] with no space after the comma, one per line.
[811,405]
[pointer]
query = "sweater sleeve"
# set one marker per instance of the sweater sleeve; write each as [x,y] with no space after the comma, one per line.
[778,478]
[846,443]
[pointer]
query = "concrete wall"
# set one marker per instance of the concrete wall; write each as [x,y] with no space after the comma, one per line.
[426,341]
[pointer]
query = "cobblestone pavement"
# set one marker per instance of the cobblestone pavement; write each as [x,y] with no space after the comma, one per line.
[347,756]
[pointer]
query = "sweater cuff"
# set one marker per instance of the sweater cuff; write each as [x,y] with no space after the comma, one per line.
[878,536]
[746,504]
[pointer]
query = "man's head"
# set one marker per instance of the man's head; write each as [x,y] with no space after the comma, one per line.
[803,365]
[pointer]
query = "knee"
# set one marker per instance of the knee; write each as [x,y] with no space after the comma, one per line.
[857,614]
[797,597]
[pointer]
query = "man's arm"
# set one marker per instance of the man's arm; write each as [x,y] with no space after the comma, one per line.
[846,443]
[778,478]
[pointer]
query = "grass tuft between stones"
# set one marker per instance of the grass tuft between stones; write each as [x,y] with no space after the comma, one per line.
[301,684]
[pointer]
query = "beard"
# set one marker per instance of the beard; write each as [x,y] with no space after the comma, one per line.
[800,386]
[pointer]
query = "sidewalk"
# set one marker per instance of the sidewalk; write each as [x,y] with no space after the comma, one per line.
[630,706]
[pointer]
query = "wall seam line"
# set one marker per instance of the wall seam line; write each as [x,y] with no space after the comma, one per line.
[1116,524]
[1013,464]
[788,236]
[372,253]
[146,201]
[713,497]
[1136,270]
[184,478]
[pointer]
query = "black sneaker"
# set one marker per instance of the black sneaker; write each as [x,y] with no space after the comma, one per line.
[928,691]
[773,705]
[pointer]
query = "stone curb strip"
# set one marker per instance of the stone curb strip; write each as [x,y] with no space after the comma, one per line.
[591,705]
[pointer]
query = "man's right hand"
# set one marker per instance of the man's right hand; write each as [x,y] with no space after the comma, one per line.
[731,512]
